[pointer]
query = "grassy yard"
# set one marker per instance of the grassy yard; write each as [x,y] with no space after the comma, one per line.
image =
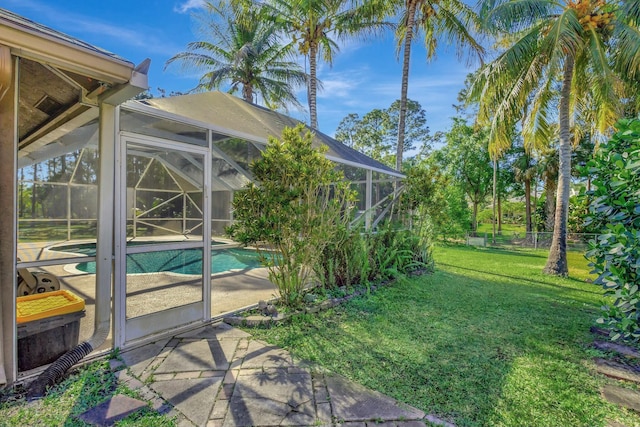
[83,389]
[487,340]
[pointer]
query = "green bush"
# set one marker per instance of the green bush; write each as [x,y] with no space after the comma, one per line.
[371,257]
[614,209]
[298,206]
[344,261]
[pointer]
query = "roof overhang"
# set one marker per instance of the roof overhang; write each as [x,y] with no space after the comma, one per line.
[31,43]
[62,80]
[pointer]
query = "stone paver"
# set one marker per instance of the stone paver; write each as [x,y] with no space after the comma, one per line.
[353,402]
[218,376]
[260,355]
[266,412]
[194,398]
[205,354]
[220,409]
[617,370]
[112,410]
[622,396]
[137,360]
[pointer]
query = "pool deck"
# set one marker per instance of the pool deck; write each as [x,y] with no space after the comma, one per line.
[230,291]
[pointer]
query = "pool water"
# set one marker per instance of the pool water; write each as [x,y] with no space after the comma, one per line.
[182,261]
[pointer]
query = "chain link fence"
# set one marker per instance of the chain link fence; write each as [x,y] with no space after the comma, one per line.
[536,240]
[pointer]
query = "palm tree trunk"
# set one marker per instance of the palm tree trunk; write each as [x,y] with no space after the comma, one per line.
[527,206]
[498,196]
[557,261]
[499,214]
[313,84]
[549,203]
[247,93]
[495,185]
[474,220]
[406,60]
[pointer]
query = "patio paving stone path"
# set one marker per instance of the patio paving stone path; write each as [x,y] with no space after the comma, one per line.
[219,376]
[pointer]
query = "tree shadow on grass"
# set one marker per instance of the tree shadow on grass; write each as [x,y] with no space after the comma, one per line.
[540,282]
[473,351]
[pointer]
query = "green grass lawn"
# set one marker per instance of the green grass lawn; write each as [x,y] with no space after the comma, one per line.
[81,390]
[487,340]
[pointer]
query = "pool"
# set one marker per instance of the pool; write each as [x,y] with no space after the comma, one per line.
[181,261]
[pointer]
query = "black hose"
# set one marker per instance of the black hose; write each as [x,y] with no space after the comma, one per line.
[57,369]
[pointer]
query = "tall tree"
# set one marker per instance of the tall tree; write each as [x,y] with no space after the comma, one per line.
[582,46]
[375,133]
[317,26]
[241,50]
[466,159]
[525,172]
[548,168]
[451,20]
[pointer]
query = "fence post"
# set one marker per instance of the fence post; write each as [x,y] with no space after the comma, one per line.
[535,240]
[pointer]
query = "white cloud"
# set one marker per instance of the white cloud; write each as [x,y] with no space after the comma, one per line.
[342,84]
[359,90]
[188,5]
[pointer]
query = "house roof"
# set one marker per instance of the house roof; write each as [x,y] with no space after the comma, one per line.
[62,80]
[26,25]
[226,112]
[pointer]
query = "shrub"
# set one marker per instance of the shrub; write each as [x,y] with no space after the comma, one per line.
[369,257]
[363,257]
[614,210]
[297,208]
[344,261]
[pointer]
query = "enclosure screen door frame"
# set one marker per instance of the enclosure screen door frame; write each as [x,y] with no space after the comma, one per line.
[129,329]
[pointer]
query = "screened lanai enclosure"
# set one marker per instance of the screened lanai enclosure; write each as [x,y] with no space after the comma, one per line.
[125,203]
[174,168]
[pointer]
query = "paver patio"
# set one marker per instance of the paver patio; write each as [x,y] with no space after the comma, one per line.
[220,376]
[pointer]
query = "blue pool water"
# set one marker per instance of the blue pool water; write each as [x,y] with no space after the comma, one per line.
[182,261]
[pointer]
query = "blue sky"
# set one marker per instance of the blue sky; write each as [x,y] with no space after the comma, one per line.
[364,75]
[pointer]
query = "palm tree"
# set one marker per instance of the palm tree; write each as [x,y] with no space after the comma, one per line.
[451,20]
[549,169]
[581,46]
[242,51]
[525,172]
[317,26]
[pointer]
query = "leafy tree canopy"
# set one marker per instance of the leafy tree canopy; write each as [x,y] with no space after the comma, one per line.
[465,158]
[614,210]
[375,134]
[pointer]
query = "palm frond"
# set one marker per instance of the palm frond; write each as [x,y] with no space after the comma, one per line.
[564,36]
[537,129]
[510,16]
[626,48]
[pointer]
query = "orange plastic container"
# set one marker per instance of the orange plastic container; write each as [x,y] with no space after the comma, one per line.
[48,304]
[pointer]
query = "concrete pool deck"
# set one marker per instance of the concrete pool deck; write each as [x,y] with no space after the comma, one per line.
[230,291]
